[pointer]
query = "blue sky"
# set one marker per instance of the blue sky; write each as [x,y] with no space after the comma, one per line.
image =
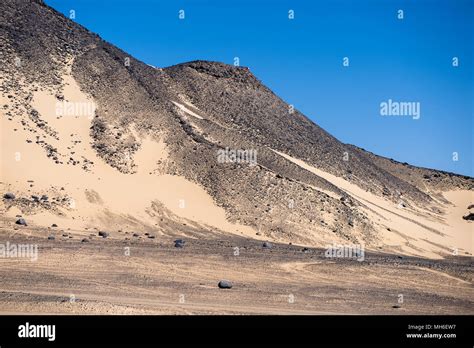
[408,60]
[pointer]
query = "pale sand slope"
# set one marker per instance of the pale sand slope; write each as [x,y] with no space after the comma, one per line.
[413,232]
[113,192]
[186,110]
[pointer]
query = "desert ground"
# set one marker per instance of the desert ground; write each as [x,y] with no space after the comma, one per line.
[122,274]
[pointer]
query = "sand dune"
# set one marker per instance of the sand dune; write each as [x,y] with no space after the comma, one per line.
[412,231]
[116,193]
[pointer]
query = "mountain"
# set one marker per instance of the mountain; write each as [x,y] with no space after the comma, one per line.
[117,144]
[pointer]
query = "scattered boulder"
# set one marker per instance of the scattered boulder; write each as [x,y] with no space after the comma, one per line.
[225,284]
[136,235]
[305,250]
[470,206]
[54,225]
[85,240]
[9,195]
[267,245]
[103,234]
[21,221]
[469,217]
[397,306]
[151,236]
[51,237]
[44,198]
[179,243]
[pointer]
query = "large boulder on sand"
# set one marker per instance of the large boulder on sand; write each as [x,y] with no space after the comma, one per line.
[225,284]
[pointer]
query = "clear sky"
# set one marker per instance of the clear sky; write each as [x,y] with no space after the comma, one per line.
[301,60]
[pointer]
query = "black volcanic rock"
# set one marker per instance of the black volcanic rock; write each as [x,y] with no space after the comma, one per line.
[103,234]
[179,243]
[21,221]
[225,284]
[9,195]
[469,217]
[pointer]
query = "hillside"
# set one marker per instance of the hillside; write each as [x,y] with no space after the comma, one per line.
[143,153]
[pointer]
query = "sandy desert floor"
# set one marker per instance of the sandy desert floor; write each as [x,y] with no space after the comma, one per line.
[103,276]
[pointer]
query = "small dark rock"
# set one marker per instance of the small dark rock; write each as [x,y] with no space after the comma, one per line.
[21,221]
[151,236]
[54,225]
[103,234]
[397,306]
[136,235]
[469,217]
[85,240]
[225,284]
[179,243]
[9,195]
[267,245]
[51,237]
